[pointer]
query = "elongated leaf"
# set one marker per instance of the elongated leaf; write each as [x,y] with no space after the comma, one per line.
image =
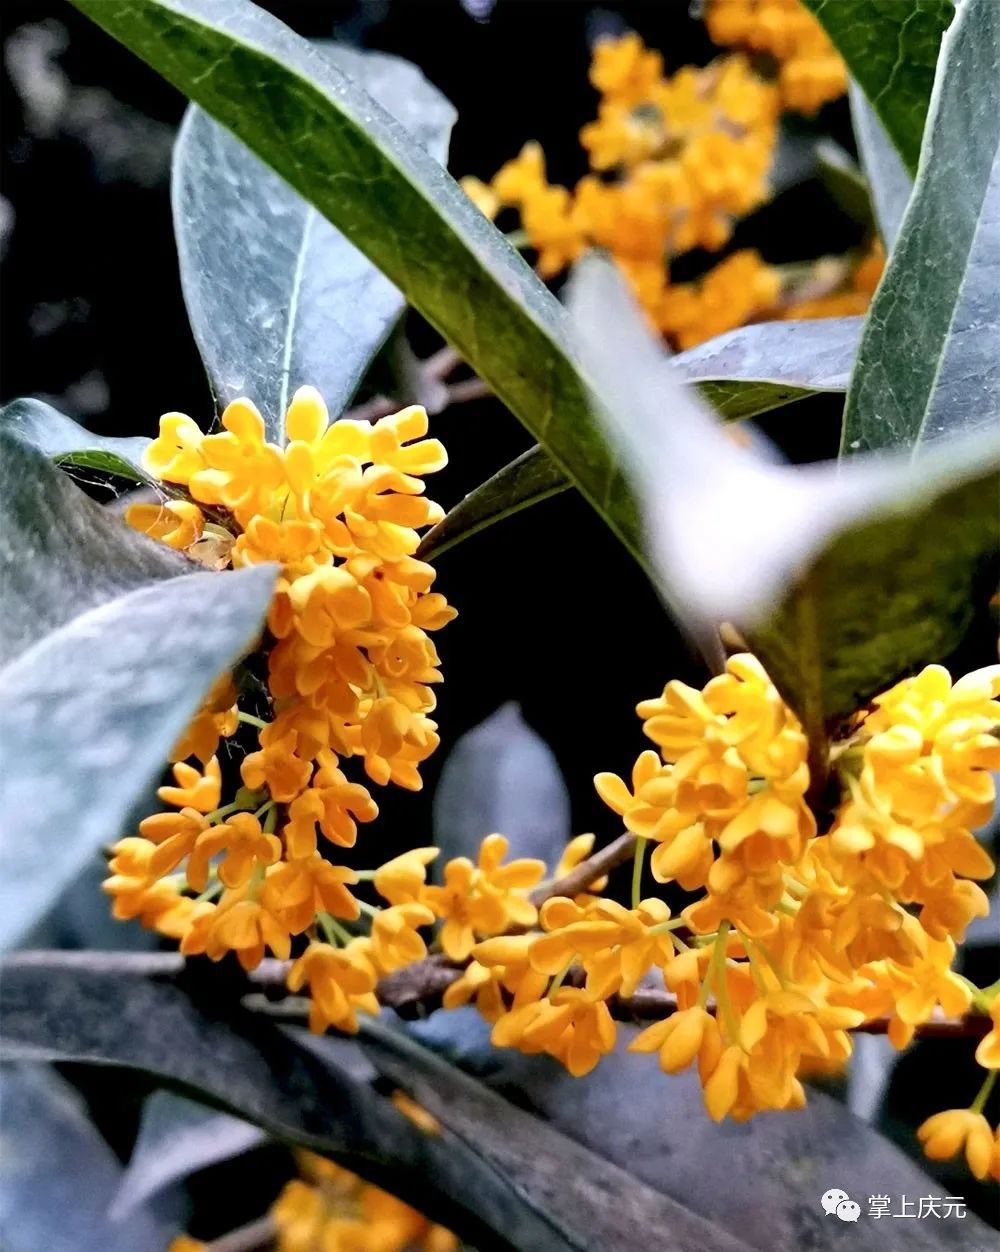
[742,374]
[754,369]
[888,182]
[655,1126]
[361,170]
[502,776]
[36,423]
[891,49]
[59,1175]
[529,479]
[277,297]
[178,1137]
[796,556]
[497,1176]
[839,173]
[109,644]
[592,1203]
[928,364]
[61,553]
[90,713]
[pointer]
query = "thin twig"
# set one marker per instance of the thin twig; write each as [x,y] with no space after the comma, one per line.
[442,363]
[246,1238]
[466,390]
[425,981]
[589,871]
[435,368]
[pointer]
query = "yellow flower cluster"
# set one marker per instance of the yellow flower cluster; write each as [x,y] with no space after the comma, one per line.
[793,937]
[349,671]
[330,1209]
[808,70]
[675,163]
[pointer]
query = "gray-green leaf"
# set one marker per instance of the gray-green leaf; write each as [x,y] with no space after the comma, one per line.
[929,360]
[844,577]
[277,297]
[742,374]
[500,1178]
[891,49]
[60,1176]
[177,1137]
[888,182]
[68,443]
[110,645]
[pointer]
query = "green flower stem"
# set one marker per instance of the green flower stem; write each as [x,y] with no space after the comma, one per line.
[211,891]
[253,721]
[335,933]
[979,1103]
[637,862]
[369,910]
[217,815]
[715,963]
[560,978]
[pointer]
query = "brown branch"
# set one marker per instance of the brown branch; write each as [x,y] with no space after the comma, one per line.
[424,982]
[589,871]
[435,368]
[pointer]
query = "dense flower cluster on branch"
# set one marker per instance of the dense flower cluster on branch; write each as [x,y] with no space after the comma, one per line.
[350,668]
[775,936]
[677,161]
[776,933]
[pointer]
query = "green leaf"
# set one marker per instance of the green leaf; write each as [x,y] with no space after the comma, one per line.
[277,297]
[840,175]
[109,648]
[498,1177]
[742,374]
[41,426]
[928,364]
[60,1176]
[360,169]
[502,776]
[891,49]
[528,479]
[889,184]
[843,577]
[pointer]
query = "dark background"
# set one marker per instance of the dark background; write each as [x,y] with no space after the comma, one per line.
[553,612]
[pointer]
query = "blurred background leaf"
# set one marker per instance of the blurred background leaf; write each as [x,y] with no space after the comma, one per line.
[501,777]
[742,374]
[177,1137]
[794,556]
[59,1176]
